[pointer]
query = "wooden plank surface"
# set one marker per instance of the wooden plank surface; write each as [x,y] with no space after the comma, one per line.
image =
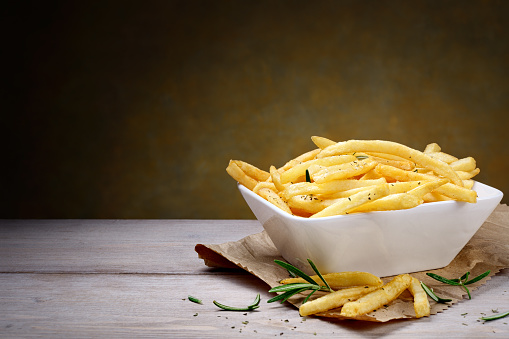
[132,278]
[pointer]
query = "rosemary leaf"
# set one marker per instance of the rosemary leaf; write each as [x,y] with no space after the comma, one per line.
[193,299]
[442,279]
[296,271]
[250,307]
[289,287]
[496,316]
[308,177]
[479,277]
[432,294]
[313,266]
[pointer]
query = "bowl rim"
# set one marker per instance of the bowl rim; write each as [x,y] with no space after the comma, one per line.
[495,194]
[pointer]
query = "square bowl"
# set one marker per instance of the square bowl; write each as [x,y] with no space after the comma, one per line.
[384,243]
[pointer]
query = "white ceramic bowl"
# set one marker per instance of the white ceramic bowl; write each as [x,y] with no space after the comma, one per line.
[383,243]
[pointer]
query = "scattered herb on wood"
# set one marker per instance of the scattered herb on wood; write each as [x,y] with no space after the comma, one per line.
[462,281]
[495,316]
[254,305]
[193,299]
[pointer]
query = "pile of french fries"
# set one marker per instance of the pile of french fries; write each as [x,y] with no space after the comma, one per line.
[359,293]
[355,176]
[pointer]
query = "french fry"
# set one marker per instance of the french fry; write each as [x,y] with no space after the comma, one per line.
[344,205]
[465,164]
[403,164]
[331,187]
[468,175]
[276,178]
[341,279]
[447,158]
[236,173]
[300,159]
[420,158]
[433,147]
[421,303]
[264,184]
[308,204]
[274,199]
[398,201]
[335,299]
[252,171]
[343,171]
[298,171]
[378,298]
[322,142]
[450,190]
[427,187]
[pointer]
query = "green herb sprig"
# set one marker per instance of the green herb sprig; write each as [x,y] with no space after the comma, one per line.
[291,289]
[462,281]
[193,299]
[432,294]
[308,177]
[254,305]
[495,316]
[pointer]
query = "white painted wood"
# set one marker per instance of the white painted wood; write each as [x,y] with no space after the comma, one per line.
[103,279]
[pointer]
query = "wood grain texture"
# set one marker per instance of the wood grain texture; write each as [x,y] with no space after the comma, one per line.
[129,278]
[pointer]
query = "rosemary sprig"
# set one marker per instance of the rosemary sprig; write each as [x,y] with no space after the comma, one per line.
[495,316]
[462,281]
[193,299]
[432,294]
[254,305]
[295,288]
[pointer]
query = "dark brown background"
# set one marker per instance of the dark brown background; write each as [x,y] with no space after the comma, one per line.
[132,109]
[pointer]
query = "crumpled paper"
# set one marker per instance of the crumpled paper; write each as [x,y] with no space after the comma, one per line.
[487,250]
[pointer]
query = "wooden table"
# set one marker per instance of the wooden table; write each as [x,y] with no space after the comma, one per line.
[118,278]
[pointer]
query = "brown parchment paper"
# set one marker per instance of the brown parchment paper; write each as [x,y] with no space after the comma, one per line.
[487,250]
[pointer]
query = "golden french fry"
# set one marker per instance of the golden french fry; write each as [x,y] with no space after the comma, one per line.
[466,164]
[447,158]
[450,190]
[274,199]
[468,183]
[344,205]
[330,187]
[421,303]
[322,142]
[468,175]
[341,279]
[236,173]
[419,158]
[403,164]
[276,178]
[300,159]
[378,298]
[343,171]
[435,197]
[373,174]
[252,171]
[264,184]
[427,187]
[398,201]
[299,171]
[433,147]
[404,186]
[309,204]
[335,299]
